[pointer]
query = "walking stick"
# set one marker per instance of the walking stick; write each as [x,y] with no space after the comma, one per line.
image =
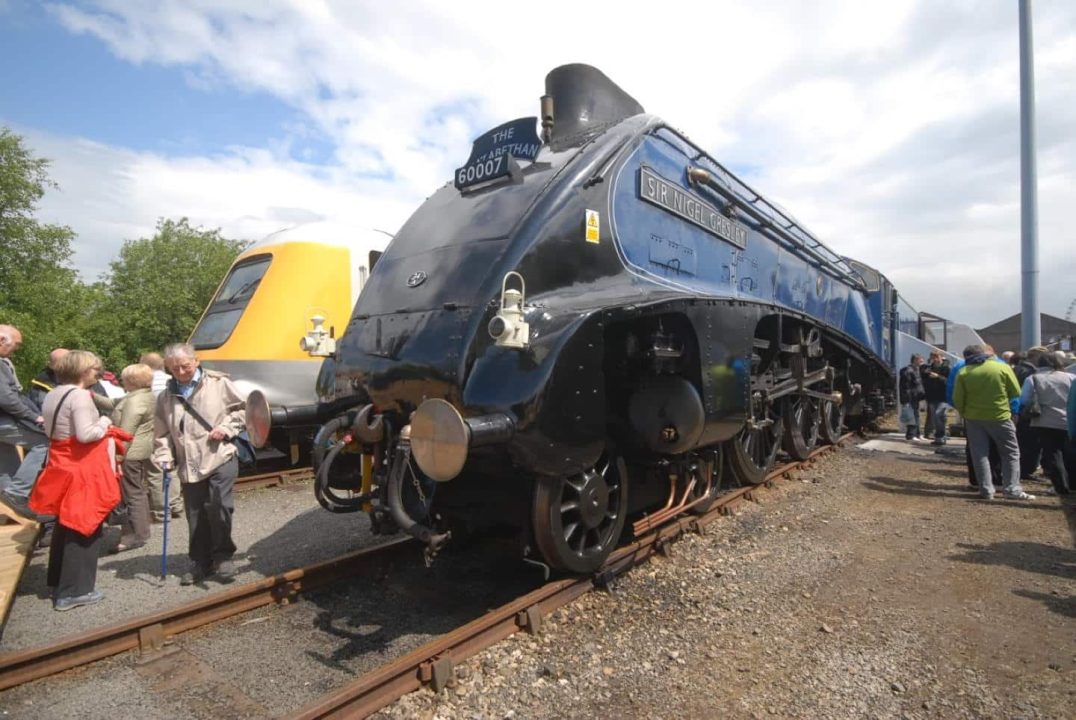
[167,515]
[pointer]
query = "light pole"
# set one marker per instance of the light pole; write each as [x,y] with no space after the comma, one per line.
[1031,326]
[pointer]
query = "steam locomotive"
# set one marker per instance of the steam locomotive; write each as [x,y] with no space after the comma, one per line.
[597,324]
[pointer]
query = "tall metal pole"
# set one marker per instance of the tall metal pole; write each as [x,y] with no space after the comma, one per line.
[1031,326]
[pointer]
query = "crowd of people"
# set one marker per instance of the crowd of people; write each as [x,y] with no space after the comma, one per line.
[1019,413]
[79,452]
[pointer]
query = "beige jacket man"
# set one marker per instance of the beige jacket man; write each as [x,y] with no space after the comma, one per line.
[183,442]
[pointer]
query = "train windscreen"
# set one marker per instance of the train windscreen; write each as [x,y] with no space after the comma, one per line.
[227,307]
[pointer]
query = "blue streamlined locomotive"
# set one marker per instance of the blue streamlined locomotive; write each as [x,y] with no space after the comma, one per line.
[599,324]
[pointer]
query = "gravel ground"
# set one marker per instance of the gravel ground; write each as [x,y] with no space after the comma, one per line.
[275,529]
[875,586]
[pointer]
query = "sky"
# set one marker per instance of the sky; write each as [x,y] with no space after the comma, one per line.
[890,129]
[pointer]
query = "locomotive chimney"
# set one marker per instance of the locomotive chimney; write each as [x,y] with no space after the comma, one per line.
[585,101]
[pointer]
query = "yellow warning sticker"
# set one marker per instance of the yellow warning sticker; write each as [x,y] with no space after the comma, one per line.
[593,226]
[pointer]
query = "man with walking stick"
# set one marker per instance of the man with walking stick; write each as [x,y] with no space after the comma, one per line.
[197,417]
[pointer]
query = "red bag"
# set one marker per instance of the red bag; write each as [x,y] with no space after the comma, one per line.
[79,485]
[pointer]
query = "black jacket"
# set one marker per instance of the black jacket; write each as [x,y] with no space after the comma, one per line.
[1024,369]
[40,387]
[934,387]
[911,385]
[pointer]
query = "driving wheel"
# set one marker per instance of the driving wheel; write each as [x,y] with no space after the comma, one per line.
[832,424]
[801,425]
[752,452]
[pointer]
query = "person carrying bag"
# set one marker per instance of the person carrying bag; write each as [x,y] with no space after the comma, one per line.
[196,420]
[244,449]
[79,483]
[911,392]
[1044,399]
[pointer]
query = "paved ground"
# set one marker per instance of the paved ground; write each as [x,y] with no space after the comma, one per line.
[275,529]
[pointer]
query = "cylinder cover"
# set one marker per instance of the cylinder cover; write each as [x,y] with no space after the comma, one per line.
[667,414]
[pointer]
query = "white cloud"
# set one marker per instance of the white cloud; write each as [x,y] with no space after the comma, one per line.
[108,195]
[889,128]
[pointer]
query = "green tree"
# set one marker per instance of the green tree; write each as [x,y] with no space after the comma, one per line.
[152,295]
[156,289]
[39,292]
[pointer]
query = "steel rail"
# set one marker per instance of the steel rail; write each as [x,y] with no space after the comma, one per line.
[434,663]
[150,631]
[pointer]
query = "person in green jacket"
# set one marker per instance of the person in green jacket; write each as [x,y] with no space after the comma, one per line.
[982,395]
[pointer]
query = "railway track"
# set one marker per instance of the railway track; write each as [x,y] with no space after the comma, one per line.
[273,479]
[149,633]
[432,664]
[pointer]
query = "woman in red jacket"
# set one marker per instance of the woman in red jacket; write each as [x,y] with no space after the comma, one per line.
[79,484]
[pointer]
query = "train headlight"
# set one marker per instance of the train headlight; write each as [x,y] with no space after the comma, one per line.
[507,327]
[318,342]
[497,327]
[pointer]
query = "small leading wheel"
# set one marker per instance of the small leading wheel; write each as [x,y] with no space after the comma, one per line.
[578,519]
[832,424]
[715,466]
[752,452]
[801,425]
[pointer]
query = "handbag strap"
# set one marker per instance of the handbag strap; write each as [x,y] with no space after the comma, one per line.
[52,430]
[195,413]
[56,412]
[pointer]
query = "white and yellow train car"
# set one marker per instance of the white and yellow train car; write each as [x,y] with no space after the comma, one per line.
[264,307]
